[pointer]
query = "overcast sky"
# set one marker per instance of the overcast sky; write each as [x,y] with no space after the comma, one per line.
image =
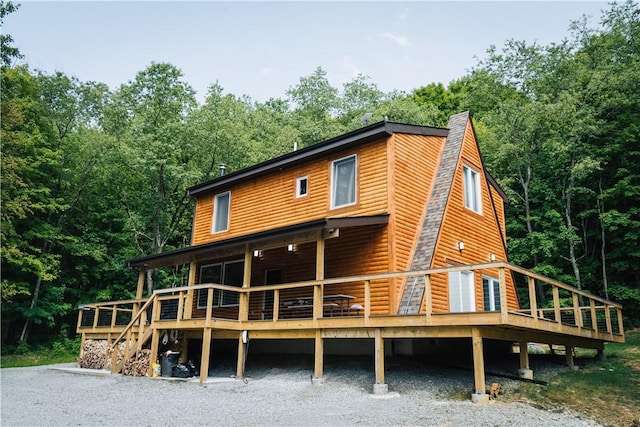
[260,49]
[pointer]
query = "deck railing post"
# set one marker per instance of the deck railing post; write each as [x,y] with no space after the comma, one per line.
[317,303]
[620,324]
[594,317]
[367,301]
[188,309]
[607,316]
[556,303]
[504,306]
[428,300]
[577,311]
[533,302]
[95,319]
[179,315]
[114,316]
[210,292]
[276,304]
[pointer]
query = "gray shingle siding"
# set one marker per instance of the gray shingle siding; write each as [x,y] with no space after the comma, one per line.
[423,257]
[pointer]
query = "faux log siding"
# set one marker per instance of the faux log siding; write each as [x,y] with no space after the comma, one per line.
[480,233]
[270,201]
[415,161]
[499,206]
[358,250]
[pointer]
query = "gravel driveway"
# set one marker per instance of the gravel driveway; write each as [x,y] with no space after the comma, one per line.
[284,396]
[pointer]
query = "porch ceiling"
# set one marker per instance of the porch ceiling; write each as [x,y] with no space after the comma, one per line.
[237,245]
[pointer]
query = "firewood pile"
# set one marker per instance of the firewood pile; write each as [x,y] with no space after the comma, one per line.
[96,354]
[138,364]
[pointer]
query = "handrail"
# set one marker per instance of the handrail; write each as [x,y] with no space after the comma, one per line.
[133,320]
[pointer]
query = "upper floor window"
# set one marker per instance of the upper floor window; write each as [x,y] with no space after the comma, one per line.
[472,193]
[302,188]
[343,182]
[221,212]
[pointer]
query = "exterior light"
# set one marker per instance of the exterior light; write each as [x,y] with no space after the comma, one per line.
[291,247]
[460,246]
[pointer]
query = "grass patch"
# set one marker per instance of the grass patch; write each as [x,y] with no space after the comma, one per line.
[35,359]
[607,391]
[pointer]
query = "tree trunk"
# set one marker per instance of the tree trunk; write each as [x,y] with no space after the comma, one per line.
[34,300]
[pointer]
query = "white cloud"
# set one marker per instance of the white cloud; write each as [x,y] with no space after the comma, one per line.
[396,38]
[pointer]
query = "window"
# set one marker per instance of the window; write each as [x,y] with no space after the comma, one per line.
[472,198]
[227,273]
[461,293]
[221,212]
[491,294]
[301,186]
[343,182]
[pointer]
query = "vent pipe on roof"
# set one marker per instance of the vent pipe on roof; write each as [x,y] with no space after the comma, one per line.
[222,167]
[295,145]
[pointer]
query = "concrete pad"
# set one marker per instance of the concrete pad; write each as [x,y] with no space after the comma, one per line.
[481,398]
[317,380]
[380,388]
[526,373]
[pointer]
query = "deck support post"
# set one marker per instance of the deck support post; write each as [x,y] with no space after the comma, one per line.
[188,307]
[206,351]
[153,356]
[568,356]
[243,339]
[480,395]
[379,387]
[318,365]
[525,371]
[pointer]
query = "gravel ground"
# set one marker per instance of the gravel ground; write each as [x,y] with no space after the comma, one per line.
[270,396]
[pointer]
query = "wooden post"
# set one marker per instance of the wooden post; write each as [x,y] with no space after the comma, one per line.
[620,322]
[153,356]
[114,316]
[276,304]
[478,361]
[180,314]
[504,315]
[318,365]
[243,310]
[379,356]
[95,318]
[188,309]
[607,316]
[533,302]
[428,300]
[318,290]
[79,324]
[594,317]
[568,350]
[206,352]
[242,354]
[524,355]
[577,311]
[367,301]
[320,244]
[139,289]
[82,340]
[556,304]
[210,292]
[317,303]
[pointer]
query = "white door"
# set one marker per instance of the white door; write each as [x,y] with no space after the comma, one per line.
[461,292]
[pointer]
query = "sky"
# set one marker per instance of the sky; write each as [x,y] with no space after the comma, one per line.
[261,49]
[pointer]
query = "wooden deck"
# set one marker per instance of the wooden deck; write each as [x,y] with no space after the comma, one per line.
[586,321]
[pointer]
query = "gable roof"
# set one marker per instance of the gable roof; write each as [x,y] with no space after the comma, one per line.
[357,137]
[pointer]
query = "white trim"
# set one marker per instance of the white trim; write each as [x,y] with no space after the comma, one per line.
[471,189]
[215,207]
[298,188]
[492,296]
[334,182]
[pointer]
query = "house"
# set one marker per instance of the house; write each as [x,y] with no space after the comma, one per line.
[389,232]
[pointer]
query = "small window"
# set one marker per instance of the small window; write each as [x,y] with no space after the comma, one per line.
[302,186]
[472,198]
[343,182]
[221,212]
[461,293]
[491,294]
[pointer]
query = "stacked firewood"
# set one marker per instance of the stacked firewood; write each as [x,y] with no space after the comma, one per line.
[138,364]
[96,354]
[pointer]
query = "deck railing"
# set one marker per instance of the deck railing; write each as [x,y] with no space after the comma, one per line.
[567,305]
